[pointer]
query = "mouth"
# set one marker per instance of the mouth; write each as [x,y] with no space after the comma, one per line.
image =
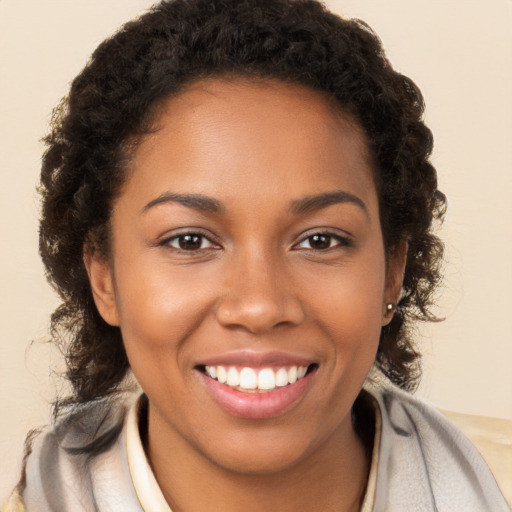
[257,391]
[256,380]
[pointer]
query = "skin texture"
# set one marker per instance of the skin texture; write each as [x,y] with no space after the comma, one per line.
[255,283]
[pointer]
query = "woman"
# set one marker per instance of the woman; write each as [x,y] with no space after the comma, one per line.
[237,208]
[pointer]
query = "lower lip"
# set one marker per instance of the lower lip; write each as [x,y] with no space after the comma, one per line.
[259,405]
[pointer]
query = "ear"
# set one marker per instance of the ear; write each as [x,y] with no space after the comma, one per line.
[101,280]
[394,278]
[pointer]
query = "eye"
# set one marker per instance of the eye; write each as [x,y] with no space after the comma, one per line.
[322,242]
[190,242]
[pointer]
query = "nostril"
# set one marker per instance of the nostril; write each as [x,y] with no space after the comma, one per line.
[258,313]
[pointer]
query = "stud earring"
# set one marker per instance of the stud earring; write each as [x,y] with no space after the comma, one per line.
[389,307]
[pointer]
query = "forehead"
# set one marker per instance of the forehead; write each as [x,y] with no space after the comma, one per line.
[243,137]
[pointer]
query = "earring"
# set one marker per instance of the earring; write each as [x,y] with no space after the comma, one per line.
[389,307]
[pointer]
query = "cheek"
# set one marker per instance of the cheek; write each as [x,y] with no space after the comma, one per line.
[350,299]
[348,308]
[158,307]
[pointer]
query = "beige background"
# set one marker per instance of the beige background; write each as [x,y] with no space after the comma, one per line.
[460,54]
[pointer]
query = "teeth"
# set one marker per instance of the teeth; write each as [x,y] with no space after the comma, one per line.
[281,377]
[266,379]
[248,378]
[233,377]
[222,375]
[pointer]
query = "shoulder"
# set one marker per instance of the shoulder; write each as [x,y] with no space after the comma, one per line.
[78,462]
[426,462]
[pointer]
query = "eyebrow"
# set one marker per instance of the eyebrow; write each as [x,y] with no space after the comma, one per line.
[197,201]
[306,204]
[314,203]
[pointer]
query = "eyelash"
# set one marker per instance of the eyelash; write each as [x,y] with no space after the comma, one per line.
[341,241]
[168,242]
[329,237]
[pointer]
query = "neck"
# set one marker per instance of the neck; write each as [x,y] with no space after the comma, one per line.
[331,478]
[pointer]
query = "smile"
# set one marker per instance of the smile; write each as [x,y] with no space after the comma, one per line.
[253,380]
[257,388]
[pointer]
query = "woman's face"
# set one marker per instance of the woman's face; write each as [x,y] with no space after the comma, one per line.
[247,246]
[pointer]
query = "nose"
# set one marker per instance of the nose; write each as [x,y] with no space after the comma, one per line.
[259,296]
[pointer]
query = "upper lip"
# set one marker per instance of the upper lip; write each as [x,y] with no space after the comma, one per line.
[256,359]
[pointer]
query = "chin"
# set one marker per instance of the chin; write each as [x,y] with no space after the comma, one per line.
[258,460]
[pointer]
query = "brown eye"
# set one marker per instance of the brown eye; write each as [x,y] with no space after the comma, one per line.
[190,242]
[320,241]
[323,242]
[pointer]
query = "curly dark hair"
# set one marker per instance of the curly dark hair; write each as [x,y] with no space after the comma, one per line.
[113,101]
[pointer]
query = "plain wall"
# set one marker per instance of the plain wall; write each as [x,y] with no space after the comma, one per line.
[458,52]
